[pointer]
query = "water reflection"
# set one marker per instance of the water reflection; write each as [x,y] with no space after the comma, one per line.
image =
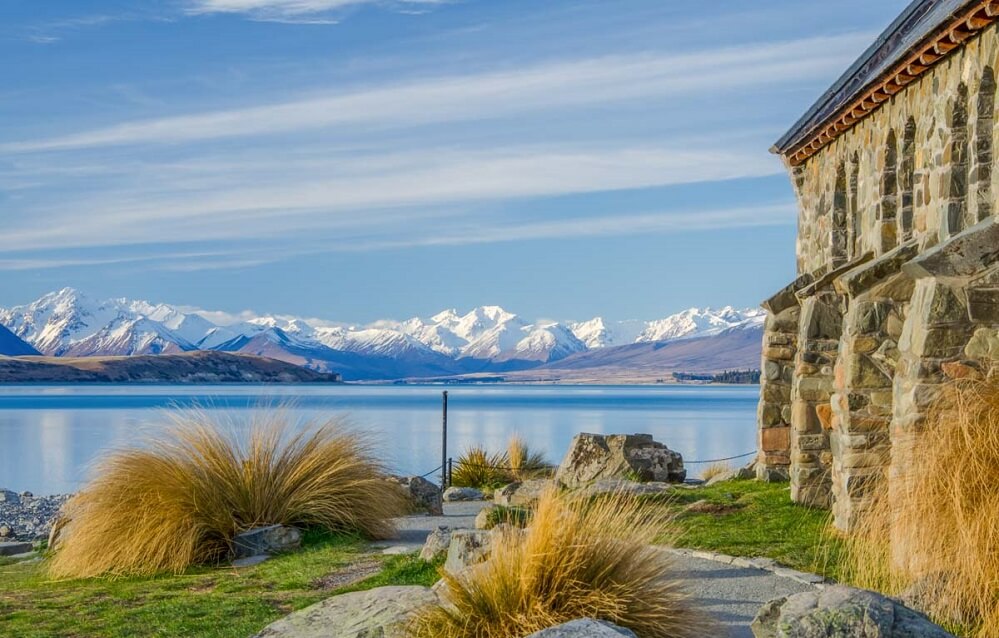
[49,435]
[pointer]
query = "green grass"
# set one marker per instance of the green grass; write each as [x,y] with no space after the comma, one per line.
[758,519]
[217,603]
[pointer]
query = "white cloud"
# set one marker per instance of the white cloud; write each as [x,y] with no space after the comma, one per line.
[363,193]
[495,94]
[292,10]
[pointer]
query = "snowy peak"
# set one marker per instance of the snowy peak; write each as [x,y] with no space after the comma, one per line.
[70,323]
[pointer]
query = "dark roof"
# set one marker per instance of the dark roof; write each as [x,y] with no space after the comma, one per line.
[919,20]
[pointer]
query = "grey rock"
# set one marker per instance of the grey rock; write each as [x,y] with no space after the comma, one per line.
[12,548]
[584,628]
[523,493]
[742,473]
[482,518]
[842,611]
[467,547]
[9,498]
[250,561]
[457,494]
[602,487]
[266,540]
[597,456]
[377,613]
[423,495]
[437,543]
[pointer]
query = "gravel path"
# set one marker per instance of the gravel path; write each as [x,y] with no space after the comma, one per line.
[730,594]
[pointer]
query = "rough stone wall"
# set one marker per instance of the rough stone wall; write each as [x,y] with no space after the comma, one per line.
[819,328]
[893,170]
[780,345]
[898,285]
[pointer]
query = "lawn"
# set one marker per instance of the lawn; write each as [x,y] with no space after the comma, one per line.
[218,603]
[741,518]
[750,518]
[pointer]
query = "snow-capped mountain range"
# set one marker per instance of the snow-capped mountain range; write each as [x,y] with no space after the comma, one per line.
[488,338]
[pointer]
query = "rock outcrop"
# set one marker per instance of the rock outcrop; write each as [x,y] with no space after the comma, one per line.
[272,539]
[522,493]
[842,611]
[437,543]
[632,456]
[383,613]
[424,496]
[458,494]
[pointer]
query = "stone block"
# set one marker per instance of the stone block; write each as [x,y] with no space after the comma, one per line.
[770,415]
[775,439]
[812,442]
[272,539]
[824,413]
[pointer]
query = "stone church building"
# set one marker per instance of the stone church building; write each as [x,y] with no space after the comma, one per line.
[897,256]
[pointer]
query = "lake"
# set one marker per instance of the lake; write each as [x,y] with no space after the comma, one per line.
[49,435]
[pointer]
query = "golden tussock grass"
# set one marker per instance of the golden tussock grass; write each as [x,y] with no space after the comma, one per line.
[181,497]
[580,558]
[937,527]
[477,467]
[713,470]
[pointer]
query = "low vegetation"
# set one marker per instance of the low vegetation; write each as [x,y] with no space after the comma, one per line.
[179,499]
[482,469]
[579,558]
[937,529]
[713,470]
[750,518]
[204,602]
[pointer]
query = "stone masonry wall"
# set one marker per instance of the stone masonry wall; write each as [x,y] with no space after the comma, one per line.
[897,291]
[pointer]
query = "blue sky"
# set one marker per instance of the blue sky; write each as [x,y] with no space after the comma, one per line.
[362,159]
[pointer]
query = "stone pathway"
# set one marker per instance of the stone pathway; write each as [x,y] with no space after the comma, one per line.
[731,594]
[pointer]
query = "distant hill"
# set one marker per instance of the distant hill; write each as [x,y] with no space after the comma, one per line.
[732,349]
[487,340]
[13,346]
[189,367]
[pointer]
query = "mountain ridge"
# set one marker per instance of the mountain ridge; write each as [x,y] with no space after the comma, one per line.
[484,340]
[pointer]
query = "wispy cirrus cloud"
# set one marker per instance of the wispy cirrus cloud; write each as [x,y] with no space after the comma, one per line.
[297,11]
[484,95]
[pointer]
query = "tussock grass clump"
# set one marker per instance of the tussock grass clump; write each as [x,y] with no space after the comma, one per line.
[713,470]
[937,526]
[179,499]
[525,463]
[480,468]
[579,558]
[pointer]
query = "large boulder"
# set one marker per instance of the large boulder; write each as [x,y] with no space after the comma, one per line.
[631,456]
[424,496]
[272,539]
[467,547]
[584,628]
[842,611]
[437,543]
[458,494]
[604,487]
[383,613]
[522,493]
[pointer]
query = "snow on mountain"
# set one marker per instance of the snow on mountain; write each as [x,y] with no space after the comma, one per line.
[544,343]
[68,322]
[695,322]
[598,333]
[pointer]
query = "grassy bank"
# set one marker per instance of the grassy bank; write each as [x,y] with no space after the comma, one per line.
[750,518]
[217,603]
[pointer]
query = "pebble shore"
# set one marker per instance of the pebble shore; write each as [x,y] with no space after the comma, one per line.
[25,517]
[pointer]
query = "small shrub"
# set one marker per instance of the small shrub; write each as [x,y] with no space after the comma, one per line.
[579,558]
[516,516]
[937,528]
[525,463]
[478,468]
[180,499]
[713,470]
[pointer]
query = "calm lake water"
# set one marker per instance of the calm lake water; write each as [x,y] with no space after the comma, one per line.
[50,435]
